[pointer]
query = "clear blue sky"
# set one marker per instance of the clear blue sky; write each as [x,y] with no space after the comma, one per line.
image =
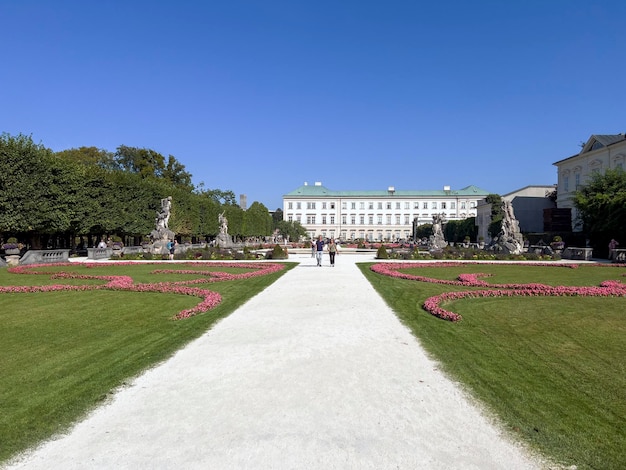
[258,97]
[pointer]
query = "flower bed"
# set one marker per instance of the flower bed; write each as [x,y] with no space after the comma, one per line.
[209,298]
[433,305]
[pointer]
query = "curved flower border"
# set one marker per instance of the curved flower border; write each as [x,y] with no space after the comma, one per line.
[209,298]
[433,305]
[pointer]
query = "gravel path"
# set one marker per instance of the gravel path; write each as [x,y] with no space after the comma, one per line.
[315,372]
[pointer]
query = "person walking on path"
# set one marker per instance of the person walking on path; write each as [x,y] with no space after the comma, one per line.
[312,248]
[332,251]
[319,245]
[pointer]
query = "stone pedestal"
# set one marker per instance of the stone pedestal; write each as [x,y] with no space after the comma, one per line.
[12,260]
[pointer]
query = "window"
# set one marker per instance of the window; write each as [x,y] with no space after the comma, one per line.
[323,205]
[577,180]
[380,219]
[344,205]
[332,205]
[416,205]
[361,205]
[453,205]
[463,205]
[290,205]
[371,206]
[472,205]
[397,205]
[407,219]
[324,219]
[389,220]
[290,218]
[298,205]
[425,205]
[362,220]
[397,220]
[388,206]
[310,205]
[566,183]
[353,205]
[380,206]
[343,219]
[353,221]
[407,206]
[310,219]
[433,205]
[371,219]
[443,205]
[332,219]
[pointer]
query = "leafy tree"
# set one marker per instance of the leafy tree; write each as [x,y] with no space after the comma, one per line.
[38,192]
[601,207]
[277,216]
[458,230]
[423,231]
[294,230]
[175,173]
[89,156]
[144,162]
[257,221]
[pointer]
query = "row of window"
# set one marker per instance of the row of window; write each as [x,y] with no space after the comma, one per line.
[369,235]
[312,219]
[388,205]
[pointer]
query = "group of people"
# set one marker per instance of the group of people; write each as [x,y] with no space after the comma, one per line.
[317,250]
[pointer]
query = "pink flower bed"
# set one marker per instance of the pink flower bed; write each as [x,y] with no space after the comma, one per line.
[209,298]
[433,305]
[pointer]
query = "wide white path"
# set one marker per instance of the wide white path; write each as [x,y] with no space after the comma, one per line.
[315,372]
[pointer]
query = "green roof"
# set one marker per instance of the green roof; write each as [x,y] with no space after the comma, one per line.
[318,190]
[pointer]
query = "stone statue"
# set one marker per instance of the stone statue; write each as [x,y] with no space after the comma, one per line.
[223,223]
[437,241]
[162,234]
[509,240]
[223,239]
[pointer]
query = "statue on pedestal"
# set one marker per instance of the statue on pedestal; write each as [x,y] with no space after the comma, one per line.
[437,241]
[161,235]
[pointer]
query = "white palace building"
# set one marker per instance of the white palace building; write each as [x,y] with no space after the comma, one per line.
[375,215]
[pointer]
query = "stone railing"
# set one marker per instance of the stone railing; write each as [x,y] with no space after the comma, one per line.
[618,255]
[572,252]
[99,253]
[45,256]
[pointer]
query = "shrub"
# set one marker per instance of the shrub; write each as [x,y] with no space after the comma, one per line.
[277,253]
[381,253]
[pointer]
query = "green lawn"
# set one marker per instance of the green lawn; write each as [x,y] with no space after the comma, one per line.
[552,368]
[63,353]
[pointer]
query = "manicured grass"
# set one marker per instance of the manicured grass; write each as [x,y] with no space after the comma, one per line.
[63,353]
[553,369]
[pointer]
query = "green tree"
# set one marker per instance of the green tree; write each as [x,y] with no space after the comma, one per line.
[38,192]
[257,221]
[89,156]
[294,230]
[277,216]
[497,214]
[601,207]
[142,161]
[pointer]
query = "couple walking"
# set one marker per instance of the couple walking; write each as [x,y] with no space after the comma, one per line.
[319,247]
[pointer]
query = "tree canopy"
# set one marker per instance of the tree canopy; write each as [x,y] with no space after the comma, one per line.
[601,207]
[89,191]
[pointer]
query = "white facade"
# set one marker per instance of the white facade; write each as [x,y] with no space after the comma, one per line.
[375,215]
[600,153]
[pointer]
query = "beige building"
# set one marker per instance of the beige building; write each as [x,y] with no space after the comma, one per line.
[528,206]
[600,153]
[375,215]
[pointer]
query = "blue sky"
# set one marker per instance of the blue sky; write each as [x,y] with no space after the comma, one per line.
[258,97]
